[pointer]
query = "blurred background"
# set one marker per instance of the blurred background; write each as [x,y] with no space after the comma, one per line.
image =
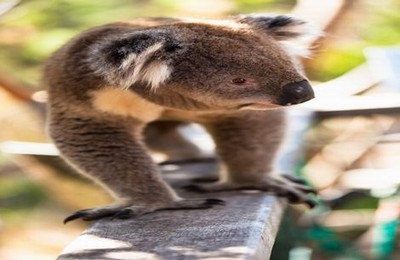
[350,152]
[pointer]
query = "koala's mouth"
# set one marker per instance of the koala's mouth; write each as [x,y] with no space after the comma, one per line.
[259,106]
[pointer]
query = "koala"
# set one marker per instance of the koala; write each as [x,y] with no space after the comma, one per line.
[231,76]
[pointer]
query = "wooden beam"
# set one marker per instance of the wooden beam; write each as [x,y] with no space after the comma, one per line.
[245,228]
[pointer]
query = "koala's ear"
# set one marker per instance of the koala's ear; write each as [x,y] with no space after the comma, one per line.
[141,56]
[281,27]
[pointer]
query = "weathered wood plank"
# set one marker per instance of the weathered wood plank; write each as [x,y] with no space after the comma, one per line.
[243,229]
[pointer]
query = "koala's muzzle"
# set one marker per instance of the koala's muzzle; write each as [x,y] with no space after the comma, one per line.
[296,93]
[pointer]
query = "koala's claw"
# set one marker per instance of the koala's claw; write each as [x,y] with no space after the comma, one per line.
[294,178]
[214,202]
[130,212]
[296,195]
[196,204]
[125,212]
[76,215]
[103,212]
[290,187]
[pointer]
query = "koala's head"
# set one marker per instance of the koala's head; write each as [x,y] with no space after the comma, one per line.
[244,63]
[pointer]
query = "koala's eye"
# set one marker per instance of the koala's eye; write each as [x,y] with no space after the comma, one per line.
[238,81]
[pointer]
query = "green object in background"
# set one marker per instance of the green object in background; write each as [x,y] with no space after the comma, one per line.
[384,239]
[300,253]
[385,230]
[327,240]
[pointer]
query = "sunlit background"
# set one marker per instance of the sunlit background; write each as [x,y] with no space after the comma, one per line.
[351,153]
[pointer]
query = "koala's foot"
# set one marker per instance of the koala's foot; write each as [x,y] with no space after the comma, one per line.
[194,204]
[129,211]
[108,211]
[289,186]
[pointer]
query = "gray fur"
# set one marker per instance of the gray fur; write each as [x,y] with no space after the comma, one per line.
[210,72]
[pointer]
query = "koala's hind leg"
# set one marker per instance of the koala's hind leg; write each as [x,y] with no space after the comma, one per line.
[247,144]
[111,153]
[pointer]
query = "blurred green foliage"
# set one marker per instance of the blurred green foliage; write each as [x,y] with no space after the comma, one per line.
[19,197]
[35,28]
[336,60]
[19,193]
[246,6]
[377,23]
[30,32]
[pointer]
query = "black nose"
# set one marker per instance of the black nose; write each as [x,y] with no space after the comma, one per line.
[296,93]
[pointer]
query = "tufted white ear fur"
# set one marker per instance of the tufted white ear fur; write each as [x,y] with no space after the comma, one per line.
[131,62]
[154,73]
[295,34]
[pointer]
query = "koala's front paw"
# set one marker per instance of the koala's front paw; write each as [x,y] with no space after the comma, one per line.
[129,211]
[292,188]
[288,186]
[119,212]
[195,204]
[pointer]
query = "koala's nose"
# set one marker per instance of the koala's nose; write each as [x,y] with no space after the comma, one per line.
[296,93]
